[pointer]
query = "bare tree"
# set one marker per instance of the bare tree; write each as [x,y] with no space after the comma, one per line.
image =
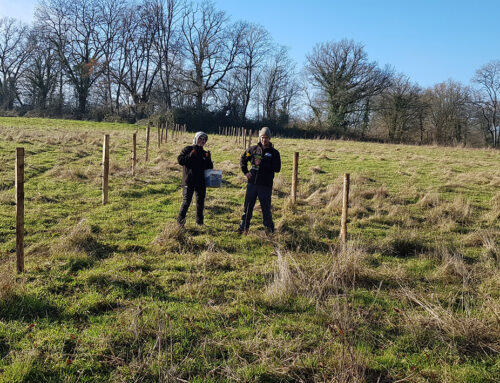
[449,112]
[136,65]
[41,74]
[487,98]
[278,86]
[71,26]
[112,12]
[14,52]
[166,16]
[256,46]
[342,72]
[211,47]
[399,108]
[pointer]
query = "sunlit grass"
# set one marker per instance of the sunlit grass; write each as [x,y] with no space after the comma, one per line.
[120,293]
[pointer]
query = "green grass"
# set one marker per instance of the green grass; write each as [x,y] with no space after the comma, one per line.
[118,293]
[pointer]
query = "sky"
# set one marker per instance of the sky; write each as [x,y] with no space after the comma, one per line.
[430,41]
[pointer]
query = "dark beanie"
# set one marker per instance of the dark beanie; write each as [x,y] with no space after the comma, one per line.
[265,131]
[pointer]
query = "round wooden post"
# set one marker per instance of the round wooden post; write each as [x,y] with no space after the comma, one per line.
[105,169]
[295,176]
[345,204]
[159,136]
[134,152]
[20,209]
[148,131]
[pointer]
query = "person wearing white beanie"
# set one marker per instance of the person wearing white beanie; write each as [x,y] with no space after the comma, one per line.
[194,160]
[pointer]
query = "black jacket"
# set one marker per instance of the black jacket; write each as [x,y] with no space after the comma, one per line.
[270,164]
[194,161]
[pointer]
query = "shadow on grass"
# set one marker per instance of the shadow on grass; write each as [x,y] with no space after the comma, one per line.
[404,245]
[4,348]
[93,252]
[295,238]
[218,210]
[230,185]
[139,193]
[27,307]
[130,288]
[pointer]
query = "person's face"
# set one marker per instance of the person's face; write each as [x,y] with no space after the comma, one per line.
[265,140]
[201,141]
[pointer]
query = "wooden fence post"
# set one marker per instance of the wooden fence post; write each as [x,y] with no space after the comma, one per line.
[20,209]
[134,152]
[295,176]
[345,204]
[159,136]
[105,169]
[148,131]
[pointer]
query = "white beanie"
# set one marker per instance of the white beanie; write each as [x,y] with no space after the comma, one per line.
[198,135]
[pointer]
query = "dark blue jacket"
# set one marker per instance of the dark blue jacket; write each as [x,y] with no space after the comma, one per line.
[270,164]
[194,160]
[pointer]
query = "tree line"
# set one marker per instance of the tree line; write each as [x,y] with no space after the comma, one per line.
[188,62]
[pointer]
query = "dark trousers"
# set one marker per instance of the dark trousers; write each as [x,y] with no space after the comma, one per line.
[187,197]
[264,194]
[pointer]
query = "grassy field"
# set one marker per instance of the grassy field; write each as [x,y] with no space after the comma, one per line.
[119,293]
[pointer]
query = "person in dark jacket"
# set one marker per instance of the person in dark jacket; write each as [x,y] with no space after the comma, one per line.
[265,161]
[194,160]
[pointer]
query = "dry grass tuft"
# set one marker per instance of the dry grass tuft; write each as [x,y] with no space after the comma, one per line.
[323,156]
[144,339]
[118,169]
[403,243]
[212,260]
[452,266]
[7,199]
[380,193]
[284,283]
[307,188]
[9,285]
[493,215]
[446,215]
[69,173]
[429,200]
[474,238]
[495,181]
[468,334]
[490,242]
[172,238]
[80,239]
[229,167]
[320,279]
[331,197]
[317,170]
[281,184]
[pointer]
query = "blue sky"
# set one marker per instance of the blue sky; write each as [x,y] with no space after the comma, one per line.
[430,41]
